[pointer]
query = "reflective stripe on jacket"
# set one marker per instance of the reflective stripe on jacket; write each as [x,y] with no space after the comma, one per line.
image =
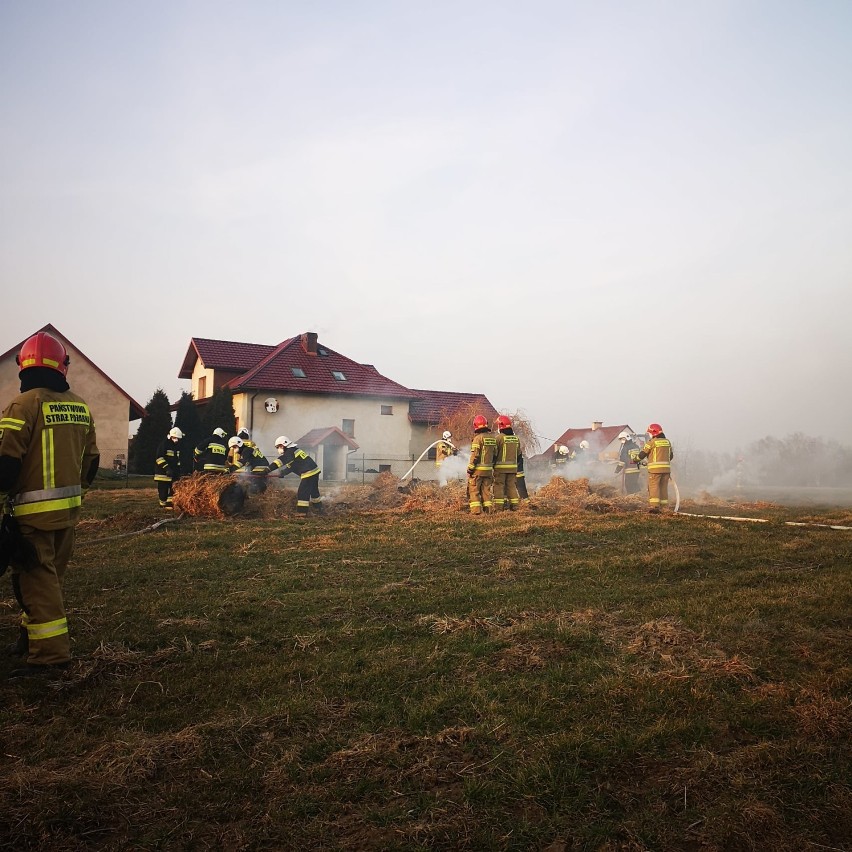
[507,454]
[659,453]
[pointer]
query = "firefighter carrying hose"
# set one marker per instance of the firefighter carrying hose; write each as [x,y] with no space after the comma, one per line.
[48,459]
[167,466]
[658,450]
[293,460]
[506,459]
[444,449]
[480,467]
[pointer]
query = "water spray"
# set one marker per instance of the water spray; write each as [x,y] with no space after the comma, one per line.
[434,444]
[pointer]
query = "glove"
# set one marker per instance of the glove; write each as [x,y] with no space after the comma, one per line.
[471,471]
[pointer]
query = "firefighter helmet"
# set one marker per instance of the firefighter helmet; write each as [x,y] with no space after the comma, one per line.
[235,442]
[283,441]
[219,432]
[654,429]
[175,433]
[447,435]
[584,445]
[479,422]
[503,422]
[43,350]
[624,436]
[562,450]
[244,434]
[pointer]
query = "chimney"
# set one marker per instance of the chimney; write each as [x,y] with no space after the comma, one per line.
[596,424]
[309,342]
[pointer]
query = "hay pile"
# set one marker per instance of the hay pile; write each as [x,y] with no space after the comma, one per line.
[209,496]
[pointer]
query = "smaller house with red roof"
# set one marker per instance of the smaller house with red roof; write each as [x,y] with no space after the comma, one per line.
[603,443]
[112,408]
[347,415]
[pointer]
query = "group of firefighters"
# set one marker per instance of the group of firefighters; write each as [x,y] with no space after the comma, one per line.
[496,467]
[219,455]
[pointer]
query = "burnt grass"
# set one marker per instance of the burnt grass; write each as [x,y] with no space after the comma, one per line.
[397,674]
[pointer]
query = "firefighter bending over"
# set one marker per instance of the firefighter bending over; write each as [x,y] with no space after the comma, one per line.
[293,460]
[211,455]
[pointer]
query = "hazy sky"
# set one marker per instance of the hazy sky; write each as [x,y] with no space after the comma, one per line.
[619,211]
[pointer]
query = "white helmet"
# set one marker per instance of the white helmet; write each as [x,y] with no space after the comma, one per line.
[235,442]
[562,450]
[244,434]
[624,436]
[283,441]
[447,435]
[175,433]
[584,445]
[219,432]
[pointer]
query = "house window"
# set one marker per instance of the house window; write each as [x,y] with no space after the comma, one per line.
[387,409]
[321,351]
[338,375]
[384,468]
[348,428]
[202,387]
[298,372]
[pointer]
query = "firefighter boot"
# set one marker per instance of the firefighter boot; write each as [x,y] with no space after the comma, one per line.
[21,646]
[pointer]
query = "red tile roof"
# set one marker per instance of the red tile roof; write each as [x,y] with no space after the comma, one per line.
[275,373]
[434,407]
[222,355]
[326,435]
[598,439]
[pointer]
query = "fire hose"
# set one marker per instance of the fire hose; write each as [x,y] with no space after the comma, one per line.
[434,444]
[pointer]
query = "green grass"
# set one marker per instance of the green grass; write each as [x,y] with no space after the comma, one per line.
[580,676]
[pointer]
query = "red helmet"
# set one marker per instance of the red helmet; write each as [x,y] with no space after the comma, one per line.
[43,350]
[654,429]
[503,422]
[479,422]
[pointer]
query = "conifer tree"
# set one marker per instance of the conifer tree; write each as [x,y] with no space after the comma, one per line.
[188,420]
[152,429]
[219,412]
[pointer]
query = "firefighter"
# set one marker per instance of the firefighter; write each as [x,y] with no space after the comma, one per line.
[293,460]
[211,455]
[167,466]
[506,459]
[246,458]
[521,481]
[480,467]
[561,454]
[245,436]
[48,459]
[628,463]
[444,448]
[659,452]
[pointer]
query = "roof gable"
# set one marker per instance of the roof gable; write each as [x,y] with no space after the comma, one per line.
[222,355]
[435,407]
[330,435]
[137,411]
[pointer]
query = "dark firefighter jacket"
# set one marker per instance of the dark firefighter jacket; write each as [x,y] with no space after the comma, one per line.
[211,455]
[167,463]
[294,460]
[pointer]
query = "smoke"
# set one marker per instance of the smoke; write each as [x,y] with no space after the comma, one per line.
[454,467]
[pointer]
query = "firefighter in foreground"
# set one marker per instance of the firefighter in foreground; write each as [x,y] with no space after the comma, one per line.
[293,460]
[211,455]
[48,459]
[506,459]
[167,466]
[658,450]
[480,467]
[628,463]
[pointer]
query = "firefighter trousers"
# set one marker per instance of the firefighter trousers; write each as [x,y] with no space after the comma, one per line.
[506,490]
[631,480]
[38,587]
[479,490]
[658,489]
[308,493]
